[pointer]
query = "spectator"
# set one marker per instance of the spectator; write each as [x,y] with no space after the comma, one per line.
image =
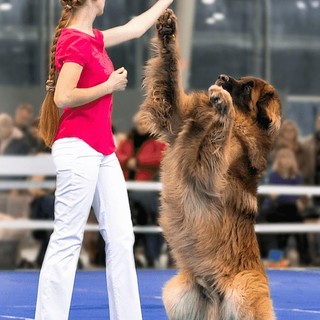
[12,140]
[289,137]
[37,144]
[23,117]
[118,136]
[312,212]
[140,156]
[312,144]
[284,208]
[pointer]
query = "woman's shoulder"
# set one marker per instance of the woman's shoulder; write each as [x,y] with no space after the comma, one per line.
[73,46]
[74,34]
[98,34]
[73,37]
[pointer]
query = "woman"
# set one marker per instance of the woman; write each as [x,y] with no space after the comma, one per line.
[140,155]
[289,137]
[285,171]
[88,171]
[281,208]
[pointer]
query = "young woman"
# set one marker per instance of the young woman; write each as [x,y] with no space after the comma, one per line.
[281,208]
[289,137]
[88,171]
[285,171]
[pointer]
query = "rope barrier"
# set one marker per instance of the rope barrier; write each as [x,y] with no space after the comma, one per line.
[271,228]
[27,166]
[25,224]
[289,190]
[157,186]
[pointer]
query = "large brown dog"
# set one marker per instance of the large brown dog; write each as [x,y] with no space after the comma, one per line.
[218,143]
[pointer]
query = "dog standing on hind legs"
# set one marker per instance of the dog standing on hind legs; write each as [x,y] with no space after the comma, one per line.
[217,147]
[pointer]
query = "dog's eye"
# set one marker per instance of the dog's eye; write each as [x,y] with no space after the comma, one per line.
[247,87]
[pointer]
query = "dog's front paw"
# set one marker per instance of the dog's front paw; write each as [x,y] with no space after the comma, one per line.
[167,25]
[220,100]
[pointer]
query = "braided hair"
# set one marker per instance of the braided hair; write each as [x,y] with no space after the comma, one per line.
[50,114]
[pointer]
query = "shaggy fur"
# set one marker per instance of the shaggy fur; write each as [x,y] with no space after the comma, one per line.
[218,143]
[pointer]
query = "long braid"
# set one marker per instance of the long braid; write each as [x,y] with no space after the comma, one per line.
[50,113]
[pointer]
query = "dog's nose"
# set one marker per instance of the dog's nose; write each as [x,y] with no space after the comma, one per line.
[223,78]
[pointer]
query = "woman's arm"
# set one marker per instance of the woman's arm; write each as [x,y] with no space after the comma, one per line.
[68,95]
[136,27]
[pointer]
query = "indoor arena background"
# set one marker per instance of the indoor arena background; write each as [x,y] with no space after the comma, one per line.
[275,40]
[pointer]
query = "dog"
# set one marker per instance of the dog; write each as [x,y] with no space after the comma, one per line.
[217,148]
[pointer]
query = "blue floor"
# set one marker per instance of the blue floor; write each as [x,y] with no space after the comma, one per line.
[296,294]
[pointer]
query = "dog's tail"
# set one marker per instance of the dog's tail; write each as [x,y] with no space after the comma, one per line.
[185,300]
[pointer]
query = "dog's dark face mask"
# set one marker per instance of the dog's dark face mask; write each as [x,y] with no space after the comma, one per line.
[253,96]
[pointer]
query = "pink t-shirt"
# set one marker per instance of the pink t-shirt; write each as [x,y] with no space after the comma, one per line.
[90,122]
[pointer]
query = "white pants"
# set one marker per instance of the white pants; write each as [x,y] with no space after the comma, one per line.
[86,177]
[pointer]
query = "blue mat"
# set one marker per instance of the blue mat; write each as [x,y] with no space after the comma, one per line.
[295,294]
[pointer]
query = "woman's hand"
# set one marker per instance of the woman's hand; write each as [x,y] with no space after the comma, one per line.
[137,26]
[68,95]
[118,80]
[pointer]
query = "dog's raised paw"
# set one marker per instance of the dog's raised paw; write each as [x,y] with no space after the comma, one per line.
[220,99]
[166,25]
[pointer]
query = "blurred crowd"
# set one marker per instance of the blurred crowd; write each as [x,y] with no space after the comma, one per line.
[139,156]
[295,160]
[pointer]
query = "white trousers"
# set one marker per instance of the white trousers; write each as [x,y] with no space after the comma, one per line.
[87,178]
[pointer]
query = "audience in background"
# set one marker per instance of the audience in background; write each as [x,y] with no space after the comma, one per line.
[23,117]
[21,137]
[23,120]
[282,208]
[37,144]
[12,140]
[140,155]
[118,136]
[312,212]
[289,137]
[293,162]
[312,144]
[284,171]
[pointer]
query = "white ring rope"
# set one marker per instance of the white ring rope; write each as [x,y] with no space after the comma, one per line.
[157,186]
[19,166]
[25,224]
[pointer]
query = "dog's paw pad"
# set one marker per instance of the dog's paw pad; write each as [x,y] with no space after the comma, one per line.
[166,24]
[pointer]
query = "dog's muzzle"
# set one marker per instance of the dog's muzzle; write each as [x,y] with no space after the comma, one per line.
[225,82]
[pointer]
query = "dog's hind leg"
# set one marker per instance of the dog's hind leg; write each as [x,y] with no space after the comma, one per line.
[184,300]
[248,298]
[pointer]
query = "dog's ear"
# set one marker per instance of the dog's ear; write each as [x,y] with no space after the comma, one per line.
[266,94]
[264,117]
